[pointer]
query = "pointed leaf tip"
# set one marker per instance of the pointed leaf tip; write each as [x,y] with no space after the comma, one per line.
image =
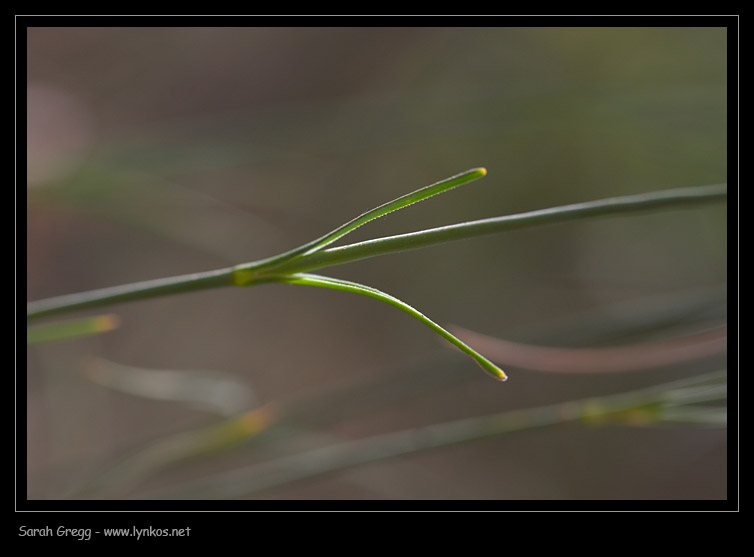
[491,369]
[347,286]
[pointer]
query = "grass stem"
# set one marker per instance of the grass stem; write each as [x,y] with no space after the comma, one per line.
[254,273]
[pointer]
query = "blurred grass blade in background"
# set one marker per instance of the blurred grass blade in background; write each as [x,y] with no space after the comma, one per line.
[643,407]
[212,391]
[71,329]
[650,354]
[177,449]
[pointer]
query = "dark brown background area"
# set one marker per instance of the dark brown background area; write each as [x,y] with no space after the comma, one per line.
[161,151]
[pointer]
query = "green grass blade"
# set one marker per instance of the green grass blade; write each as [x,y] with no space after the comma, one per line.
[247,274]
[389,207]
[347,286]
[667,199]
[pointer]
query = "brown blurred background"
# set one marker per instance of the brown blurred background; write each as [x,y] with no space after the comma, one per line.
[155,152]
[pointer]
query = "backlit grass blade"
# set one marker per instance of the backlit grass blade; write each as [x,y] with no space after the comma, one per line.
[389,207]
[347,286]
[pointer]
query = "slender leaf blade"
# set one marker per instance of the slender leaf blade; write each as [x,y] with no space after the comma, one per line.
[244,273]
[348,286]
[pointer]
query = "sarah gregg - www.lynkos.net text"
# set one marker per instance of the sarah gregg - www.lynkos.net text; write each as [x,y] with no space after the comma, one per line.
[85,534]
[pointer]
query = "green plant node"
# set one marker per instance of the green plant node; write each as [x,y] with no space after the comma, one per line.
[243,277]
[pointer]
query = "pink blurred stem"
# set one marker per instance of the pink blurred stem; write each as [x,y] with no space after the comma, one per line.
[644,355]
